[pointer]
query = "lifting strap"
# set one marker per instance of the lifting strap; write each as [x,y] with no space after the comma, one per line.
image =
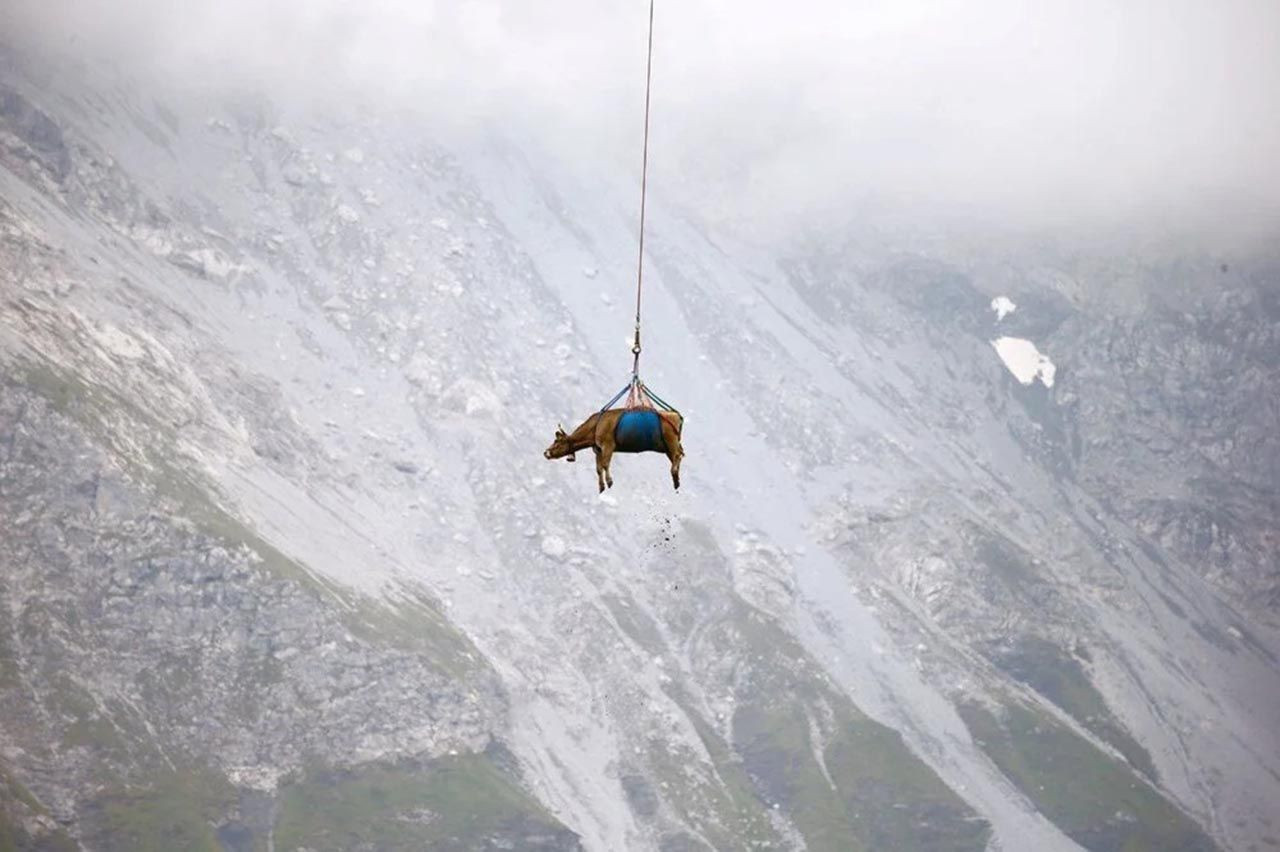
[638,395]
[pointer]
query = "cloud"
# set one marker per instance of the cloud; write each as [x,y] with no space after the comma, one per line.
[1094,113]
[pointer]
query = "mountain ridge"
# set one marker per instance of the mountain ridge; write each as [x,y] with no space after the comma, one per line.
[292,347]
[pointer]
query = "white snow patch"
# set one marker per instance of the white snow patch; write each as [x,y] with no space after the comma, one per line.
[1003,306]
[348,214]
[354,155]
[1025,361]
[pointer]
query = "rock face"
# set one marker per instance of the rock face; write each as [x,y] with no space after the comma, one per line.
[160,657]
[282,567]
[1195,466]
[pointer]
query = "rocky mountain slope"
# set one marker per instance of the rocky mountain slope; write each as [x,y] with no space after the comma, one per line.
[282,567]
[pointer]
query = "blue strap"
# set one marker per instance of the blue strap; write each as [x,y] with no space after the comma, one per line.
[610,403]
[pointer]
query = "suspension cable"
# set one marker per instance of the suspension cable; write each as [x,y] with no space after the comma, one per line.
[644,182]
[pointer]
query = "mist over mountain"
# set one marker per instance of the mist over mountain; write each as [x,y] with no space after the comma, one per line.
[1086,117]
[974,318]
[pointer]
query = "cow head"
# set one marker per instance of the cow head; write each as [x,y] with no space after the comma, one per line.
[560,447]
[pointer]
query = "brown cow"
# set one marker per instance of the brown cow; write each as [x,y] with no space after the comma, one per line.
[600,433]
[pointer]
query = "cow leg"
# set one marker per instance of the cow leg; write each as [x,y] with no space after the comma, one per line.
[675,451]
[599,468]
[605,445]
[606,454]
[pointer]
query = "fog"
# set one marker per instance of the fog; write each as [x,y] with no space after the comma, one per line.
[1079,114]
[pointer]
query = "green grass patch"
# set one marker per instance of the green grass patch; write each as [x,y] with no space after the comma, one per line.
[10,672]
[85,726]
[895,799]
[740,810]
[12,791]
[14,837]
[94,733]
[1059,677]
[848,782]
[728,814]
[176,810]
[1093,798]
[454,803]
[874,793]
[801,747]
[61,389]
[778,755]
[1004,560]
